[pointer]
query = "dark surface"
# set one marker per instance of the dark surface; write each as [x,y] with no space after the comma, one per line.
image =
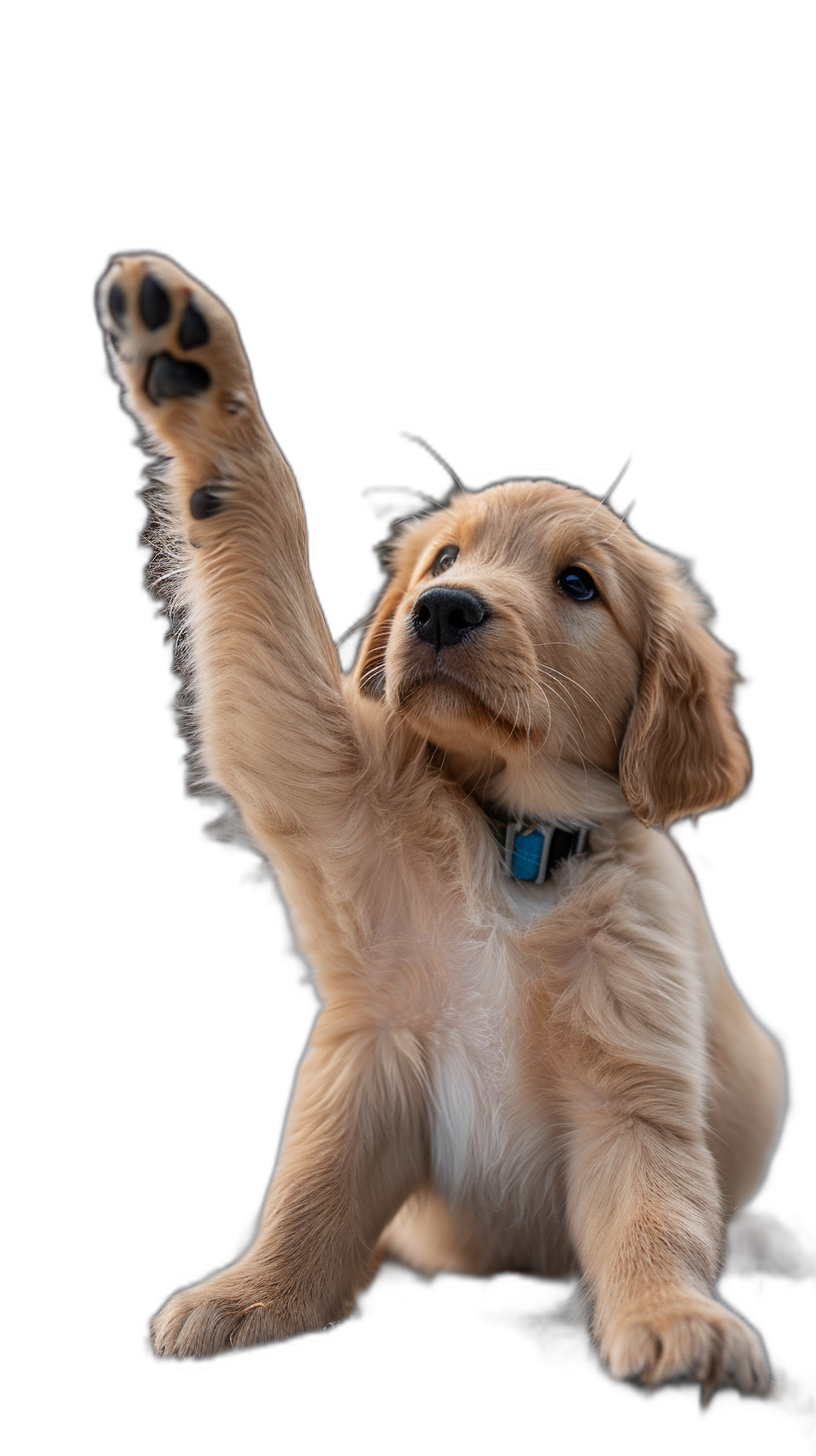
[542,360]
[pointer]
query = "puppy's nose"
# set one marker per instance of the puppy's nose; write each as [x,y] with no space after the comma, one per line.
[444,615]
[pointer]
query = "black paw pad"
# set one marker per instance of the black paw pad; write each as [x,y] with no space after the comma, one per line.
[195,330]
[169,378]
[154,302]
[204,503]
[117,304]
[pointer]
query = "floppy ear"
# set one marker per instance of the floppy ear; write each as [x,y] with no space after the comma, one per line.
[682,751]
[399,555]
[369,671]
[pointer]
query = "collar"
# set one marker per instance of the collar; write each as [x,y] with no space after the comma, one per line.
[533,852]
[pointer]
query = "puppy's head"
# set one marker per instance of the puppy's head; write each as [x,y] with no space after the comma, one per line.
[527,626]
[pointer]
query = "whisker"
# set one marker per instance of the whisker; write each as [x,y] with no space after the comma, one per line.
[515,721]
[380,633]
[550,671]
[355,627]
[440,459]
[372,672]
[562,700]
[379,640]
[537,685]
[397,723]
[582,689]
[620,523]
[615,483]
[500,712]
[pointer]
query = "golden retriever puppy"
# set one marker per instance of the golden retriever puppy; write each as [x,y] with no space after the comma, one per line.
[530,1055]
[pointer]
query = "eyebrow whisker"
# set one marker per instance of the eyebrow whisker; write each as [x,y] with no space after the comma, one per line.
[615,483]
[620,523]
[440,459]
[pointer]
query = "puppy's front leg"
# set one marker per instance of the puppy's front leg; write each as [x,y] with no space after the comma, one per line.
[275,731]
[644,1212]
[276,735]
[354,1150]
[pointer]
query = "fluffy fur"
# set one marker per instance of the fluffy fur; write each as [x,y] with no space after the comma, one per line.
[555,1078]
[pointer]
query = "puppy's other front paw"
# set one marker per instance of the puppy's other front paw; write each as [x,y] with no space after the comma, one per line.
[216,1318]
[690,1338]
[234,1309]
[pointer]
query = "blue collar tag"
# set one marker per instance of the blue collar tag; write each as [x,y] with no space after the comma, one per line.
[525,862]
[532,852]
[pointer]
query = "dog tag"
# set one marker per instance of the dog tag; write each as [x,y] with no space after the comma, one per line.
[527,850]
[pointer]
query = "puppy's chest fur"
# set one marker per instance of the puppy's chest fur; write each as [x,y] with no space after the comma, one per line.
[457,969]
[488,1120]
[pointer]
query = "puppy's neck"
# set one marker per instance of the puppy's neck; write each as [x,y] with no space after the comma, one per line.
[536,789]
[473,774]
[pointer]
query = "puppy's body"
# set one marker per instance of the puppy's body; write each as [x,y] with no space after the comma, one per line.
[549,1077]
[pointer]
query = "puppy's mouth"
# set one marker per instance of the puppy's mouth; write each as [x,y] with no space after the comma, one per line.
[462,667]
[441,690]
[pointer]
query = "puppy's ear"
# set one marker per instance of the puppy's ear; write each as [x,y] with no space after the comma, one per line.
[369,671]
[399,555]
[682,752]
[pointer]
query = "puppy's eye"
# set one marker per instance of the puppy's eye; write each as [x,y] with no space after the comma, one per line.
[578,584]
[444,559]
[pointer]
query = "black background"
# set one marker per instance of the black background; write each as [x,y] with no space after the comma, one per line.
[518,342]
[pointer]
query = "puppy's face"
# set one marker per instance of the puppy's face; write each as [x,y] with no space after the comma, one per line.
[528,623]
[503,632]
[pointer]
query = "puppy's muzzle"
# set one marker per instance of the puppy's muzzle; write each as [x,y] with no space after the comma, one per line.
[444,616]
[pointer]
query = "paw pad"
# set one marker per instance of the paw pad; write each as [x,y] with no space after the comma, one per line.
[117,303]
[194,331]
[169,378]
[154,303]
[137,304]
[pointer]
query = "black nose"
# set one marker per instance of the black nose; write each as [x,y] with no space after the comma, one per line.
[444,615]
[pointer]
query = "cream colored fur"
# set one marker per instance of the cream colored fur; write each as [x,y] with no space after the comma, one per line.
[555,1079]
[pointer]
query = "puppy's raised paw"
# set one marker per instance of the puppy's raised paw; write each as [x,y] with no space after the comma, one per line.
[693,1338]
[174,347]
